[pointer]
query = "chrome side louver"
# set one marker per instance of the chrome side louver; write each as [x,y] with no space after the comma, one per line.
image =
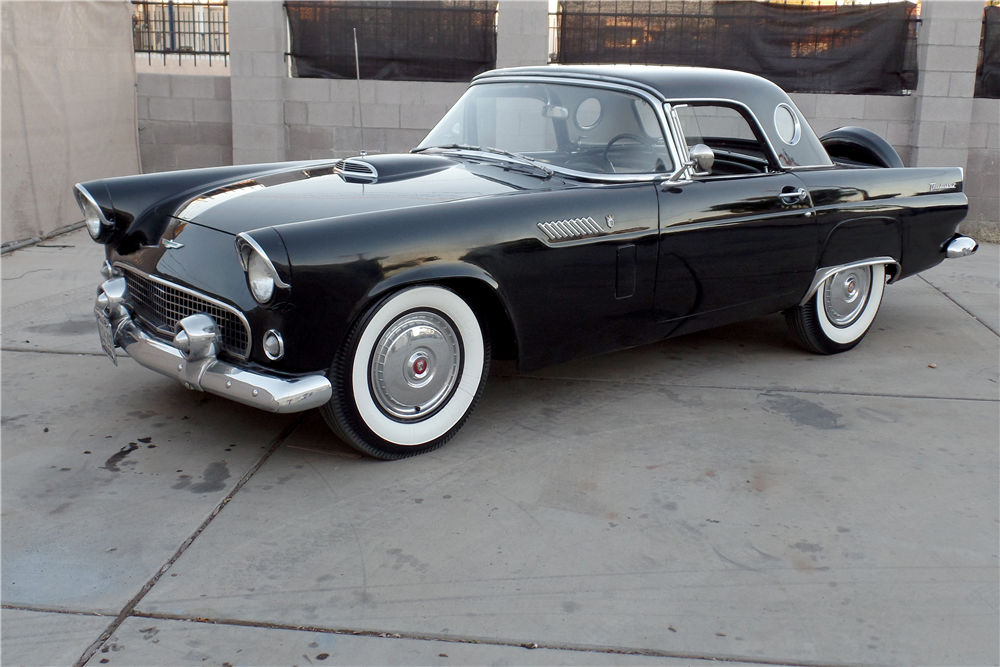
[355,169]
[565,230]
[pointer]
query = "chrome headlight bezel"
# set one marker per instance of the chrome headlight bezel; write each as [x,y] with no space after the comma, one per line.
[263,278]
[98,225]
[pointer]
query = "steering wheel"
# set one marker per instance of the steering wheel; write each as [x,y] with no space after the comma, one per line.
[626,135]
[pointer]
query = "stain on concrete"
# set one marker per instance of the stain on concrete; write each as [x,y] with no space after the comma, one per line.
[801,411]
[68,328]
[115,459]
[569,606]
[213,479]
[408,560]
[807,547]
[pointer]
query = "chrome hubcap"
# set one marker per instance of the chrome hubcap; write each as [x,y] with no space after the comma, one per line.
[845,295]
[415,366]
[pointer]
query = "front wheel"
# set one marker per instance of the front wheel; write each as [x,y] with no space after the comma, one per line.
[841,312]
[411,371]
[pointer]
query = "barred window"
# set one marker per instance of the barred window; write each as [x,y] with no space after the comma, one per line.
[449,40]
[828,48]
[988,71]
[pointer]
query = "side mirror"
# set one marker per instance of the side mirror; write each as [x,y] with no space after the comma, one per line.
[550,111]
[703,158]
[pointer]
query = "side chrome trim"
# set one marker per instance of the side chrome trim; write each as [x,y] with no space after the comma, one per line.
[245,237]
[824,273]
[558,230]
[215,302]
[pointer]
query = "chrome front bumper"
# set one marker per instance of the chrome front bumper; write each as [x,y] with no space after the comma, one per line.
[196,366]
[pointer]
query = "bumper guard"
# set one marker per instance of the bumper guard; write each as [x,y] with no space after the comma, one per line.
[191,359]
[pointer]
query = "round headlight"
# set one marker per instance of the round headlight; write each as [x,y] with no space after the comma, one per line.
[260,277]
[92,217]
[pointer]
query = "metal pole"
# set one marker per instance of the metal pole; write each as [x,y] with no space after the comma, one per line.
[357,65]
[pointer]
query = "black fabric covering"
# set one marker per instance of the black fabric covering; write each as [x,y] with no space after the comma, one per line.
[403,41]
[851,49]
[988,73]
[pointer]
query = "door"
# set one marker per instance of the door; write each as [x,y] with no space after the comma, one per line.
[735,242]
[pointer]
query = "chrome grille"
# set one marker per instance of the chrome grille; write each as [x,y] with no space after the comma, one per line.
[354,168]
[163,305]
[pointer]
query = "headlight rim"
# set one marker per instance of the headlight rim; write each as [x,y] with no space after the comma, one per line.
[247,247]
[84,198]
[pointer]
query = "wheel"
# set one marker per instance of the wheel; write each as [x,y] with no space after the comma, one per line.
[839,315]
[409,374]
[632,137]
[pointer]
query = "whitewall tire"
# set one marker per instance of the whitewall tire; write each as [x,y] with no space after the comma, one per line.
[411,371]
[841,311]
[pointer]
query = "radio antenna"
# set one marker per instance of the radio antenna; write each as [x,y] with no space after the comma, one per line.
[357,65]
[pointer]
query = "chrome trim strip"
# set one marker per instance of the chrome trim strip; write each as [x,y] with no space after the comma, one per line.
[246,238]
[199,295]
[824,273]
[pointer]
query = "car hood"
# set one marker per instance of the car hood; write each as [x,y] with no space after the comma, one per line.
[394,181]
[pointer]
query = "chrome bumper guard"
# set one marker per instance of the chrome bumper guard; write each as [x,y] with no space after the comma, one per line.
[191,359]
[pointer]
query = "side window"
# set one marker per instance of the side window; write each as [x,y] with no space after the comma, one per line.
[728,133]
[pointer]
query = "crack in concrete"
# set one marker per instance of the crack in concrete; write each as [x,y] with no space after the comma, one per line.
[129,608]
[970,313]
[7,348]
[785,390]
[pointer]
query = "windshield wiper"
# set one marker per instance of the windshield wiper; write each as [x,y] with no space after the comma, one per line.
[464,147]
[526,161]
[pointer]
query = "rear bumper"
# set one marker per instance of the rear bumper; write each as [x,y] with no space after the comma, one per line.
[198,368]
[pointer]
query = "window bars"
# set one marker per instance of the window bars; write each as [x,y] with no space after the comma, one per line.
[194,29]
[801,46]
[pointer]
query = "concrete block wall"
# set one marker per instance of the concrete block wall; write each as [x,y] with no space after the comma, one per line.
[321,116]
[185,121]
[276,117]
[891,117]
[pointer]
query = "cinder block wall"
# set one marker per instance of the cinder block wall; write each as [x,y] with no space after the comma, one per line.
[273,117]
[185,121]
[322,115]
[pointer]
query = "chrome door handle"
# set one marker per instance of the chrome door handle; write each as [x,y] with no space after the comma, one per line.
[796,196]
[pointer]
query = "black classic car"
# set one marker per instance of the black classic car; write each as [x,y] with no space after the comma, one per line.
[553,213]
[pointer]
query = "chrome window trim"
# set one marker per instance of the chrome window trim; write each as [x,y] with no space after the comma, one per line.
[215,302]
[767,139]
[655,101]
[823,273]
[246,238]
[797,133]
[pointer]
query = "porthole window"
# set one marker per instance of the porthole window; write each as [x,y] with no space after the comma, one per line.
[786,123]
[588,114]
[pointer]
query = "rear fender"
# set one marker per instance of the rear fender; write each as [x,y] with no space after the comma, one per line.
[858,239]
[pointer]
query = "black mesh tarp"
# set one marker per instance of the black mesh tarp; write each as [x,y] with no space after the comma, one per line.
[852,49]
[408,40]
[988,72]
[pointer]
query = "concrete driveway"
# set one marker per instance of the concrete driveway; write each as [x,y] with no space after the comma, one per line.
[723,495]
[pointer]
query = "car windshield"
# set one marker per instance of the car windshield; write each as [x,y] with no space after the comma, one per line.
[576,127]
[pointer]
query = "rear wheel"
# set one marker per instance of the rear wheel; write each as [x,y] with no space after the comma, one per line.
[410,373]
[841,311]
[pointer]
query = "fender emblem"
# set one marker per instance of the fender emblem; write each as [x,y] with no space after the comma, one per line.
[171,245]
[610,219]
[941,186]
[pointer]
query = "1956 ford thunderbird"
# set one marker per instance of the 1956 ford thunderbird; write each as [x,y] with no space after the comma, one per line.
[553,213]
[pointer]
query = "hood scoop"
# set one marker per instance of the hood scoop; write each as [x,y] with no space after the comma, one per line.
[355,170]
